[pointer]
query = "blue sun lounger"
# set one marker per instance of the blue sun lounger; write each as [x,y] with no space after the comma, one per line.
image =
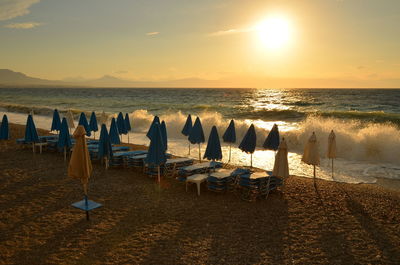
[224,179]
[258,185]
[122,158]
[197,169]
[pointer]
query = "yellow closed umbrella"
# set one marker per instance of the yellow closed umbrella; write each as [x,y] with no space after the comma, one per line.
[311,154]
[281,165]
[331,153]
[80,167]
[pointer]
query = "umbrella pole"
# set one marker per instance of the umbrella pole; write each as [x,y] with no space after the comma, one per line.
[230,150]
[314,172]
[332,167]
[189,148]
[128,137]
[86,205]
[65,154]
[199,154]
[251,160]
[158,171]
[33,147]
[106,162]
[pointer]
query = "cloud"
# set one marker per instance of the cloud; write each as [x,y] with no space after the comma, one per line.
[152,33]
[14,8]
[230,32]
[26,25]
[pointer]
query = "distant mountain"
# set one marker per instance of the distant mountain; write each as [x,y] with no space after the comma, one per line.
[11,78]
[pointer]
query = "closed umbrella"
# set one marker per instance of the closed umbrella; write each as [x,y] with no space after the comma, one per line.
[127,125]
[64,139]
[4,130]
[56,123]
[105,148]
[80,167]
[249,141]
[121,125]
[93,124]
[155,120]
[281,165]
[156,153]
[331,147]
[272,140]
[114,135]
[164,135]
[311,154]
[213,150]
[83,121]
[31,135]
[70,119]
[187,127]
[230,137]
[196,135]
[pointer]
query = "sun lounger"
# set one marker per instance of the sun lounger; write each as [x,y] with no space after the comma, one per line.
[224,179]
[197,169]
[172,165]
[93,152]
[256,185]
[123,158]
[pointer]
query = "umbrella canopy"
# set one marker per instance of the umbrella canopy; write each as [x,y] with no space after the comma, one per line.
[83,121]
[331,145]
[105,148]
[230,133]
[163,129]
[70,119]
[121,124]
[156,153]
[64,139]
[56,123]
[4,130]
[93,123]
[127,123]
[155,120]
[196,135]
[272,140]
[188,126]
[103,118]
[249,141]
[80,166]
[213,150]
[311,154]
[31,135]
[114,135]
[281,165]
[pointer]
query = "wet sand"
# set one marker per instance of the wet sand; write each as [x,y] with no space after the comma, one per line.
[146,223]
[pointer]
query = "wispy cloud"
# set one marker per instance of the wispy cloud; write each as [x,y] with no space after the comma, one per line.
[14,8]
[26,25]
[230,32]
[152,33]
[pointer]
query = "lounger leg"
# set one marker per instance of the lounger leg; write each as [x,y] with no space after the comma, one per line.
[186,186]
[198,188]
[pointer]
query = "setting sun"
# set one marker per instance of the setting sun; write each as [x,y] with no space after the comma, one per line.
[274,32]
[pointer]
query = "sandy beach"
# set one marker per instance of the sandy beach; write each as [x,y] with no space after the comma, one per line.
[146,223]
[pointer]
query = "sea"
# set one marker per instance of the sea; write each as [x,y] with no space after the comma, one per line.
[366,121]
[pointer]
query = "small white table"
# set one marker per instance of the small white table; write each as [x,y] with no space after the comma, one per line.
[197,179]
[40,146]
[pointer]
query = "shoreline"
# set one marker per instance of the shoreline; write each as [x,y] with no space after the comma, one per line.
[142,222]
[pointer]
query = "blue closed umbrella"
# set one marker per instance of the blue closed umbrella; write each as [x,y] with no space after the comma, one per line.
[248,143]
[230,137]
[213,150]
[121,124]
[155,120]
[163,129]
[114,135]
[156,153]
[272,140]
[196,135]
[127,125]
[83,121]
[56,123]
[93,124]
[64,139]
[4,130]
[187,128]
[31,135]
[105,148]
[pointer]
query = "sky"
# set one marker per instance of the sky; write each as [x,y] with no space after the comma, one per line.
[329,43]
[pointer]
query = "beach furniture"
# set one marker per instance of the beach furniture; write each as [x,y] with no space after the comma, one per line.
[196,179]
[230,137]
[121,159]
[64,140]
[93,124]
[105,150]
[127,125]
[114,134]
[187,127]
[248,144]
[196,135]
[56,122]
[156,153]
[257,185]
[224,179]
[173,164]
[83,121]
[198,168]
[281,165]
[94,151]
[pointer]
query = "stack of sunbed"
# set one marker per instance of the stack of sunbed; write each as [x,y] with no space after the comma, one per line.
[257,185]
[199,168]
[224,179]
[94,150]
[120,159]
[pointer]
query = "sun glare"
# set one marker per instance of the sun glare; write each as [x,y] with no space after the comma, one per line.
[274,32]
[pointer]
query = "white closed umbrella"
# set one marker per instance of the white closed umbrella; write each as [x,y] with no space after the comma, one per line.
[70,120]
[281,165]
[311,154]
[103,118]
[331,153]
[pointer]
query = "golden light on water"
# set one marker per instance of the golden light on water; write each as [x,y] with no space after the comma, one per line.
[274,32]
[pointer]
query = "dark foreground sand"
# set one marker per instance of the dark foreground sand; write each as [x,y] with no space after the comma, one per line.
[143,223]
